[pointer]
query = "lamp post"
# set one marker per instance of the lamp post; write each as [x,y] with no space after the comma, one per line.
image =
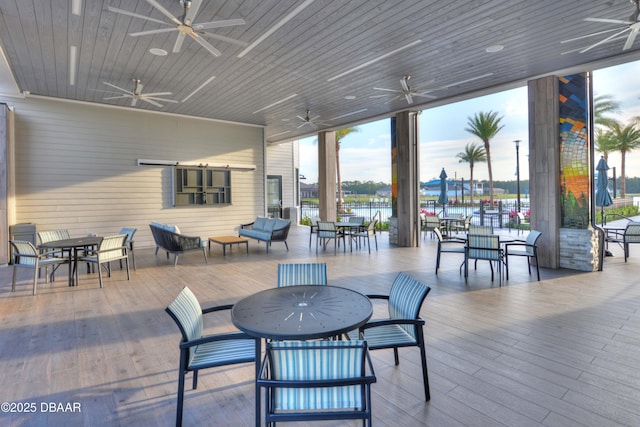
[517,141]
[455,184]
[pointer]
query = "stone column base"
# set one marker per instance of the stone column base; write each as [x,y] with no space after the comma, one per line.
[580,249]
[393,230]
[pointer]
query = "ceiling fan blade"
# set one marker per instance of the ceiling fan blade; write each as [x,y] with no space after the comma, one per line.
[205,44]
[119,88]
[424,95]
[404,82]
[224,39]
[192,11]
[218,24]
[145,97]
[408,97]
[134,101]
[632,37]
[591,35]
[387,90]
[302,118]
[603,40]
[135,15]
[158,31]
[152,102]
[313,119]
[302,125]
[608,21]
[117,97]
[178,44]
[164,11]
[149,95]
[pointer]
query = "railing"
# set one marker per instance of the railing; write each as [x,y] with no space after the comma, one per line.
[502,215]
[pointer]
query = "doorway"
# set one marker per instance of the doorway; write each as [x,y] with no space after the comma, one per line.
[274,196]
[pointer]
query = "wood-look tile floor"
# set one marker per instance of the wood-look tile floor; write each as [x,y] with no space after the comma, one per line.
[561,352]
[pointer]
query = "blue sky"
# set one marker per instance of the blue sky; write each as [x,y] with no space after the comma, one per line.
[365,155]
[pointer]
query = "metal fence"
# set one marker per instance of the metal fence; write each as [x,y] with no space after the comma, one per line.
[503,213]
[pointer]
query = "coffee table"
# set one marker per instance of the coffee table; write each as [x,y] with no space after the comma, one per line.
[228,241]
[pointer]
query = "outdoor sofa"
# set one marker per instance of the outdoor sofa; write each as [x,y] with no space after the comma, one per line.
[267,230]
[168,238]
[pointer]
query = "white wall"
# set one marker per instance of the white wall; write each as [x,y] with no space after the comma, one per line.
[76,169]
[282,161]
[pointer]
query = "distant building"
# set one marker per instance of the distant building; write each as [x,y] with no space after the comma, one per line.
[308,191]
[384,192]
[432,188]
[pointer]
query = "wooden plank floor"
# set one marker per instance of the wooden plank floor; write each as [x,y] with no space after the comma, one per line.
[561,352]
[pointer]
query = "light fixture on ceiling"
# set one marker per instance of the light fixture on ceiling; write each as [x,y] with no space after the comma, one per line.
[73,64]
[349,114]
[373,61]
[275,28]
[494,48]
[76,7]
[157,51]
[350,97]
[199,88]
[276,103]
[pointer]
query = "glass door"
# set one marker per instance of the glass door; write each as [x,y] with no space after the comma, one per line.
[274,196]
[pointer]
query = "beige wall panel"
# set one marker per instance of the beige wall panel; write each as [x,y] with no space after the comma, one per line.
[76,169]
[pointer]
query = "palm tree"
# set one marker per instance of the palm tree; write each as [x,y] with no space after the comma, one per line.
[603,104]
[604,143]
[340,134]
[472,153]
[624,139]
[486,126]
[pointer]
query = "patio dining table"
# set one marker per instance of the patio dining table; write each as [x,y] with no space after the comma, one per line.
[348,228]
[73,246]
[303,312]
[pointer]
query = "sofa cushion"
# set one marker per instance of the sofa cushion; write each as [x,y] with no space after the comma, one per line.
[269,225]
[255,234]
[259,223]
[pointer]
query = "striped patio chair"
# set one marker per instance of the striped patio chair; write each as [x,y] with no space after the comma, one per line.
[528,248]
[25,255]
[111,248]
[403,327]
[484,247]
[317,380]
[209,351]
[302,274]
[631,235]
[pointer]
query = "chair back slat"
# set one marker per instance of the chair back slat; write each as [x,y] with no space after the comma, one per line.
[531,241]
[129,232]
[302,274]
[632,232]
[187,313]
[405,299]
[112,247]
[51,235]
[317,361]
[24,252]
[326,229]
[484,247]
[480,229]
[356,220]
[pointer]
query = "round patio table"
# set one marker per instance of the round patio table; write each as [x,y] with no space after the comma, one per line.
[301,312]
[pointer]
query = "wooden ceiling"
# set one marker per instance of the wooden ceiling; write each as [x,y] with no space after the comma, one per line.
[325,56]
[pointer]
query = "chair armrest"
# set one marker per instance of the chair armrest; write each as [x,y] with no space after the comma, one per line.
[376,296]
[217,308]
[385,322]
[213,338]
[248,225]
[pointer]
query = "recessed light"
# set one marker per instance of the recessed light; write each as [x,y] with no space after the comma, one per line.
[349,97]
[494,48]
[158,52]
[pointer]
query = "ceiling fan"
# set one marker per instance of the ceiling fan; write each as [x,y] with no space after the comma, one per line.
[409,92]
[137,94]
[406,91]
[632,25]
[185,25]
[309,121]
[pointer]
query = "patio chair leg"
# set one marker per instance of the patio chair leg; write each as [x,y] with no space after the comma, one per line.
[99,275]
[13,283]
[35,279]
[395,356]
